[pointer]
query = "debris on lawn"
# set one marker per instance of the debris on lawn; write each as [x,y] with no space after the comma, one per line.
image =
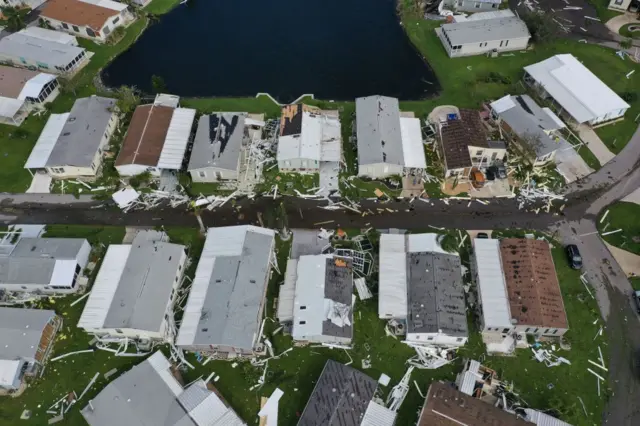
[71,353]
[125,197]
[431,357]
[363,291]
[399,391]
[270,409]
[549,359]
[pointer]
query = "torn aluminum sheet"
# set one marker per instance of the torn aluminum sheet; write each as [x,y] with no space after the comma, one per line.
[363,291]
[399,392]
[431,357]
[336,312]
[125,197]
[549,359]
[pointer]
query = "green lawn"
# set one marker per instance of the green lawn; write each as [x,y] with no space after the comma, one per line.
[604,13]
[261,104]
[95,235]
[160,7]
[622,215]
[624,31]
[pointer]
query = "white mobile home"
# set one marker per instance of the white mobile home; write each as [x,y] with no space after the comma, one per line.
[134,290]
[51,35]
[389,142]
[72,145]
[472,5]
[22,90]
[478,37]
[579,94]
[44,265]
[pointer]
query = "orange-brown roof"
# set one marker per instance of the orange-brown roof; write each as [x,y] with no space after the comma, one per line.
[446,406]
[532,284]
[12,80]
[145,136]
[78,13]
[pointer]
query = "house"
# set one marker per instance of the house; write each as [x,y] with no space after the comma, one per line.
[447,406]
[535,300]
[22,90]
[532,128]
[224,309]
[26,51]
[478,37]
[344,396]
[31,4]
[389,142]
[71,145]
[472,5]
[621,5]
[221,145]
[481,16]
[496,324]
[322,303]
[50,35]
[421,284]
[135,288]
[464,144]
[576,91]
[308,137]
[27,337]
[92,19]
[151,393]
[157,138]
[44,265]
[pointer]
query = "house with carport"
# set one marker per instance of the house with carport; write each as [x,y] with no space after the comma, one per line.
[389,141]
[72,145]
[157,138]
[23,90]
[92,19]
[577,93]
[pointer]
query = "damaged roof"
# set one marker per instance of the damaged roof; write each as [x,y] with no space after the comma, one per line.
[435,294]
[146,136]
[340,398]
[21,331]
[458,135]
[446,406]
[218,141]
[532,284]
[378,129]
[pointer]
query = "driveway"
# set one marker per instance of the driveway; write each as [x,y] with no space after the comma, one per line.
[614,24]
[595,144]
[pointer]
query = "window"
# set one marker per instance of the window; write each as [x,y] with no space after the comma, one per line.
[116,20]
[459,339]
[495,6]
[76,29]
[90,32]
[493,156]
[202,174]
[527,330]
[107,30]
[118,331]
[429,338]
[546,331]
[619,2]
[506,43]
[24,287]
[555,331]
[57,170]
[93,166]
[535,330]
[477,5]
[479,152]
[65,26]
[302,322]
[501,42]
[302,308]
[505,330]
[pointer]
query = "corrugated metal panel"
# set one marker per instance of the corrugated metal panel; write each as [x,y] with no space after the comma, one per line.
[309,293]
[491,284]
[162,366]
[377,415]
[468,383]
[104,287]
[424,242]
[392,300]
[47,140]
[412,147]
[542,419]
[34,86]
[287,292]
[206,408]
[175,144]
[9,370]
[474,366]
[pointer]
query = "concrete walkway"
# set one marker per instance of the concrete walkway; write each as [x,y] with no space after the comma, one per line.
[614,24]
[629,262]
[595,144]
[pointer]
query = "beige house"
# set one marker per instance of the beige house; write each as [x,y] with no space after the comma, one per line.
[620,5]
[71,145]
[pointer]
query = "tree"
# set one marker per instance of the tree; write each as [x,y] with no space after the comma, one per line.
[542,27]
[14,17]
[69,85]
[157,84]
[625,43]
[127,99]
[530,145]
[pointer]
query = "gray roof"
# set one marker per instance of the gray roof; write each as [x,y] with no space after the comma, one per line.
[338,286]
[527,119]
[306,242]
[340,397]
[218,141]
[144,290]
[81,135]
[140,397]
[486,30]
[21,331]
[32,260]
[35,49]
[435,295]
[234,296]
[378,130]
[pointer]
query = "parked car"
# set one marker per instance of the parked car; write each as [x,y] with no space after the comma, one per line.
[497,172]
[636,298]
[477,178]
[573,255]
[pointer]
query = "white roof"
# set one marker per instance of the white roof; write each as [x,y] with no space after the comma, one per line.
[492,287]
[34,86]
[542,419]
[175,143]
[287,292]
[424,242]
[554,117]
[125,196]
[583,95]
[162,366]
[319,139]
[9,107]
[506,13]
[63,273]
[105,286]
[503,104]
[309,293]
[8,371]
[270,408]
[377,415]
[107,4]
[412,147]
[51,35]
[163,99]
[392,298]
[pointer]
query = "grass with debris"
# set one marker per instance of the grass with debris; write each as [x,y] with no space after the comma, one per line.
[622,215]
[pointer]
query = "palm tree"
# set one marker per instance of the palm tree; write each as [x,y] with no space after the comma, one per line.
[14,17]
[128,99]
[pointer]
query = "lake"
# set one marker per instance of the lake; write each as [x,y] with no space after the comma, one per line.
[334,49]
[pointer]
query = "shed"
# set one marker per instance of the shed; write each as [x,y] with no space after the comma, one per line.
[225,305]
[575,89]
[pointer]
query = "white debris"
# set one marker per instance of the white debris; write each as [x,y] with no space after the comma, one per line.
[125,197]
[363,291]
[399,391]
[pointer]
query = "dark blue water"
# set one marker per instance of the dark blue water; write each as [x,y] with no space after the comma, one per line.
[335,49]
